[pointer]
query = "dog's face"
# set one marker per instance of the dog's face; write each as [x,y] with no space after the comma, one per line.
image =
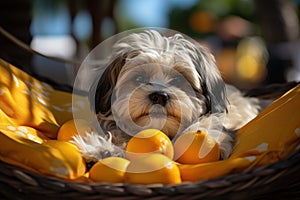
[156,94]
[158,82]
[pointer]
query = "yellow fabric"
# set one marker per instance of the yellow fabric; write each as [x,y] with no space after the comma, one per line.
[274,133]
[31,113]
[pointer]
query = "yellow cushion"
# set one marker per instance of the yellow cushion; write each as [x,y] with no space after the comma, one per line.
[31,113]
[274,133]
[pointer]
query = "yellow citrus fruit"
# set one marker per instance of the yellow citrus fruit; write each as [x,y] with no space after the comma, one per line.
[196,147]
[72,128]
[110,169]
[151,169]
[149,141]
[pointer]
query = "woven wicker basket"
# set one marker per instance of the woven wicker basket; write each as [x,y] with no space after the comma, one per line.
[280,180]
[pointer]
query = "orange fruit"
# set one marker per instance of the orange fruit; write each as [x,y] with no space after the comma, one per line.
[149,141]
[109,169]
[151,169]
[72,128]
[196,147]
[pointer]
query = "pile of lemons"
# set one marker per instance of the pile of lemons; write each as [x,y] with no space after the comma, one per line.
[150,157]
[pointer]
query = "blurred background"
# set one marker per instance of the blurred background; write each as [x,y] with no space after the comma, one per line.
[255,42]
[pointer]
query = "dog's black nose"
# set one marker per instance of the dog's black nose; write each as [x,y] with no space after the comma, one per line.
[159,97]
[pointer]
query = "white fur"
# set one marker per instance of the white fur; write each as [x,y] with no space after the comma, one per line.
[95,147]
[240,109]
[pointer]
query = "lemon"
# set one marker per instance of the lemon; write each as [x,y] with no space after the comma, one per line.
[110,169]
[149,141]
[72,128]
[151,169]
[196,147]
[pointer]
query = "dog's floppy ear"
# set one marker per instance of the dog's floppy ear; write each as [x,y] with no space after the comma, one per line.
[105,86]
[212,83]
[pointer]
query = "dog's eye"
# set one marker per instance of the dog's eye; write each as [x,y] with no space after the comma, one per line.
[178,80]
[140,78]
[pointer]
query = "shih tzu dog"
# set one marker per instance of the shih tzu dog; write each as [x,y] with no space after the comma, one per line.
[168,83]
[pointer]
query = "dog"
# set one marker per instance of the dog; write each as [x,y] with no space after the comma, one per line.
[170,83]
